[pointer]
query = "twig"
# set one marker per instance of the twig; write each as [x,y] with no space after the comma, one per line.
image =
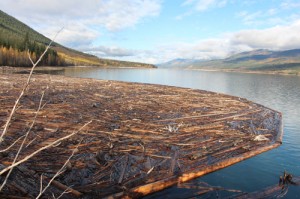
[12,144]
[43,148]
[150,170]
[24,89]
[173,162]
[64,187]
[60,171]
[123,170]
[67,190]
[41,183]
[30,142]
[30,57]
[23,142]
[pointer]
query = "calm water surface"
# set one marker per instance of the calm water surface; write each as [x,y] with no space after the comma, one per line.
[281,93]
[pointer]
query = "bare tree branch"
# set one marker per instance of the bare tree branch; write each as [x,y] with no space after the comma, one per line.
[43,148]
[12,144]
[24,89]
[60,171]
[63,193]
[23,142]
[30,57]
[41,183]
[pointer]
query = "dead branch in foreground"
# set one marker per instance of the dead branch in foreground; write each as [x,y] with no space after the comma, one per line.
[25,87]
[23,142]
[24,137]
[60,171]
[55,143]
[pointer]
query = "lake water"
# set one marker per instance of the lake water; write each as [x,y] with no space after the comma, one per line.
[281,93]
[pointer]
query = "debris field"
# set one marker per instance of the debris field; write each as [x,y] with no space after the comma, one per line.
[127,139]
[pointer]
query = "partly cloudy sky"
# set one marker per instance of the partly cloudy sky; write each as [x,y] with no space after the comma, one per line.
[156,31]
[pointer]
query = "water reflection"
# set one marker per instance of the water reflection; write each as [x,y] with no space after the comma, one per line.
[281,93]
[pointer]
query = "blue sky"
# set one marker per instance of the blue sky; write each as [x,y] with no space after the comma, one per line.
[156,31]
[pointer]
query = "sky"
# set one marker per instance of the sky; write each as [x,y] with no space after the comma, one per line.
[157,31]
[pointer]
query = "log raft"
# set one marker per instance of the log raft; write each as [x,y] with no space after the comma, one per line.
[141,138]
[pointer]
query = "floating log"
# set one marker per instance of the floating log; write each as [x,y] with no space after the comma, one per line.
[143,137]
[276,191]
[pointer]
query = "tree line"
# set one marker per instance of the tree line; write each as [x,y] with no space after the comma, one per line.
[14,51]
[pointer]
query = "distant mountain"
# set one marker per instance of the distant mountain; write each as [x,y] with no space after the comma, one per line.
[179,63]
[16,38]
[262,60]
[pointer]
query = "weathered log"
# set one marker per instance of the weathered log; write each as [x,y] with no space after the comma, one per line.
[64,187]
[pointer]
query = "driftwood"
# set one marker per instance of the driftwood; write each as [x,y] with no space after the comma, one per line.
[276,191]
[204,190]
[142,138]
[64,187]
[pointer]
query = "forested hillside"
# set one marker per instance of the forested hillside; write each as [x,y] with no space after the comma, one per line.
[17,40]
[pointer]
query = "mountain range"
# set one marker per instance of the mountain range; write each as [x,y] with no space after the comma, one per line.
[16,38]
[261,60]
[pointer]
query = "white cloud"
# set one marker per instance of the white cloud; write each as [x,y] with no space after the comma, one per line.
[202,5]
[81,18]
[290,4]
[250,18]
[84,21]
[275,38]
[259,18]
[112,51]
[73,35]
[203,49]
[120,14]
[113,14]
[272,11]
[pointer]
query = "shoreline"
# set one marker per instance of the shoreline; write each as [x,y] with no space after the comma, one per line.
[287,73]
[246,71]
[53,68]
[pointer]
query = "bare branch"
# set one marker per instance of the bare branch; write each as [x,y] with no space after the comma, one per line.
[41,183]
[23,142]
[64,187]
[24,89]
[60,171]
[30,142]
[63,193]
[43,148]
[30,57]
[12,144]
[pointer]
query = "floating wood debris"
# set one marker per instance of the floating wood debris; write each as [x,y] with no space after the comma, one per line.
[276,191]
[141,139]
[197,188]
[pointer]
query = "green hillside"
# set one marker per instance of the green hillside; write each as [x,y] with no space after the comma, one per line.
[16,38]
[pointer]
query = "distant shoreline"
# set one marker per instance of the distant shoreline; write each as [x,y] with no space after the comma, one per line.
[20,69]
[287,73]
